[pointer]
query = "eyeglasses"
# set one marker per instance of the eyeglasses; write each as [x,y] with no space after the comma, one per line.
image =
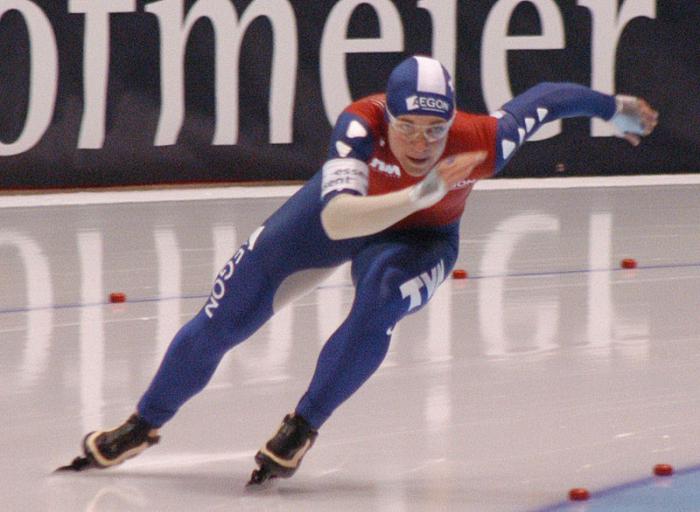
[410,131]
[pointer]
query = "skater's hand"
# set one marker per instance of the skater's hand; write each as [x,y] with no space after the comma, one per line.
[456,168]
[446,173]
[634,118]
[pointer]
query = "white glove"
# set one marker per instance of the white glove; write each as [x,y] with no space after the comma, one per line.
[429,191]
[633,118]
[445,175]
[628,115]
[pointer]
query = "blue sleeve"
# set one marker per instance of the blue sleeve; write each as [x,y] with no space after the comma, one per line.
[351,138]
[345,170]
[522,116]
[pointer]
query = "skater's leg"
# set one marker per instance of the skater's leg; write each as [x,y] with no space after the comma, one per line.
[387,273]
[195,352]
[262,276]
[238,306]
[393,278]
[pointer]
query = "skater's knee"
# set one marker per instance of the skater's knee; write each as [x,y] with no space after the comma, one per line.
[382,283]
[227,327]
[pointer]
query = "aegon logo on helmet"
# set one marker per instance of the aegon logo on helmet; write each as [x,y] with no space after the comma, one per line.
[427,103]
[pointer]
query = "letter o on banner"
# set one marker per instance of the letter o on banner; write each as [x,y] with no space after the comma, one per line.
[43,80]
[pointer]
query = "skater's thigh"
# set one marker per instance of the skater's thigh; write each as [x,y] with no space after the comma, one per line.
[404,267]
[284,257]
[290,241]
[299,284]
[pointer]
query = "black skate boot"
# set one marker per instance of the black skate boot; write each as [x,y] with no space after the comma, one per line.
[281,455]
[104,449]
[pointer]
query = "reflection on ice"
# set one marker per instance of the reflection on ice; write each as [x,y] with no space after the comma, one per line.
[92,334]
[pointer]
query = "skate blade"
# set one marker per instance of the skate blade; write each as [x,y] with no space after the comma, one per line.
[78,464]
[260,477]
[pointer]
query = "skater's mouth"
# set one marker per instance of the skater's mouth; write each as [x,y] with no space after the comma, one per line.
[418,162]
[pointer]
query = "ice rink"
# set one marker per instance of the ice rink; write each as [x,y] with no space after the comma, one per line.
[549,368]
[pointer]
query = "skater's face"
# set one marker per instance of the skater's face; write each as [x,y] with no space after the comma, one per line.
[417,141]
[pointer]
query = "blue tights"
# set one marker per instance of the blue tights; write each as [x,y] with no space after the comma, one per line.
[394,273]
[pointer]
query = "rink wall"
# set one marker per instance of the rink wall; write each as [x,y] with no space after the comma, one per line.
[98,93]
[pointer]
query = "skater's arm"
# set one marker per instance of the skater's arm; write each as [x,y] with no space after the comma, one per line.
[349,216]
[522,116]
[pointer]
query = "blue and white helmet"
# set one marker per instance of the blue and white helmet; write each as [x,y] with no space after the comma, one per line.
[420,86]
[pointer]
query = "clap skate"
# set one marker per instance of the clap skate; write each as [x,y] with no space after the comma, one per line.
[104,449]
[282,455]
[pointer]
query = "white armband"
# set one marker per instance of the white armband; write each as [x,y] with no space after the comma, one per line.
[345,174]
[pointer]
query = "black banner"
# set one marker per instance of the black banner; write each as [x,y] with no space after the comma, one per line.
[127,92]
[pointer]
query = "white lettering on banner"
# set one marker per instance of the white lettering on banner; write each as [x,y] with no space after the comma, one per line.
[609,21]
[496,42]
[229,35]
[43,85]
[219,289]
[443,15]
[96,65]
[430,280]
[335,45]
